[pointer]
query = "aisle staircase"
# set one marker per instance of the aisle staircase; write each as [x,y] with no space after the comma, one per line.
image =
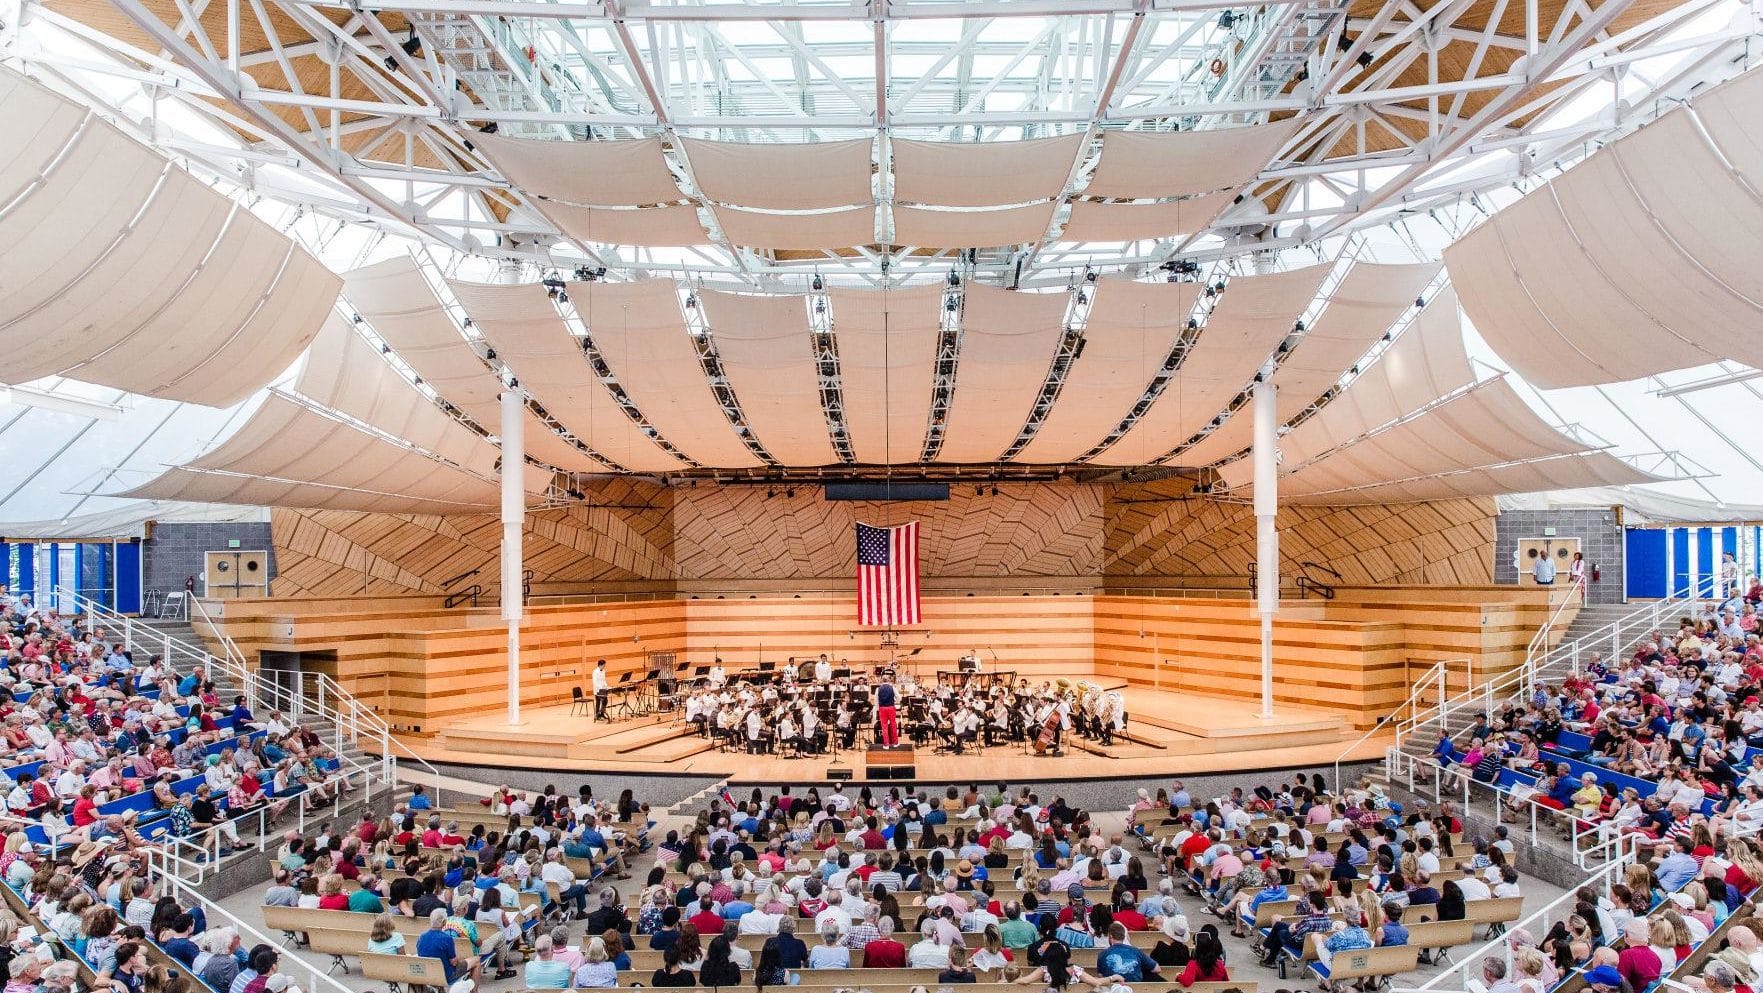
[363,742]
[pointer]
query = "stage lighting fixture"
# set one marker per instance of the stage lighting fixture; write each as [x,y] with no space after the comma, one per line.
[1193,325]
[994,491]
[954,278]
[412,45]
[490,353]
[691,301]
[820,306]
[491,128]
[950,305]
[1419,301]
[385,349]
[1365,60]
[1083,297]
[818,284]
[1227,20]
[790,492]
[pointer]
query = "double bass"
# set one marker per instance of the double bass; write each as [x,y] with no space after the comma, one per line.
[1044,738]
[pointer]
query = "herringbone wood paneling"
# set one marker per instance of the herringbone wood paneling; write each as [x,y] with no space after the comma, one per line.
[622,533]
[633,532]
[1027,529]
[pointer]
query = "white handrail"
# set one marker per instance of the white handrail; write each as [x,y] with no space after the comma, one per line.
[1440,671]
[1457,977]
[162,866]
[314,694]
[1541,638]
[1522,680]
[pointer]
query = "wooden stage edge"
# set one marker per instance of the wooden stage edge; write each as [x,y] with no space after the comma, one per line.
[1168,733]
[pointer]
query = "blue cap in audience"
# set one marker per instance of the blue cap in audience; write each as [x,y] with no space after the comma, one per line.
[1604,975]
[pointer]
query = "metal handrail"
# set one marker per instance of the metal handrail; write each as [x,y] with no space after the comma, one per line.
[458,597]
[1457,977]
[163,865]
[1541,638]
[315,693]
[1440,670]
[1523,678]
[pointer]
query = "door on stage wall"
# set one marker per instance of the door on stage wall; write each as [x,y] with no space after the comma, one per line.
[1559,550]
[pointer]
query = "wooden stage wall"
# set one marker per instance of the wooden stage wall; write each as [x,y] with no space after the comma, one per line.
[633,535]
[422,665]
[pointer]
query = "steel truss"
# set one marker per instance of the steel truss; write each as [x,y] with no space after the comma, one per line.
[386,137]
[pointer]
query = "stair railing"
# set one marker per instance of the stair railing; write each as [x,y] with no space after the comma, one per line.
[1614,638]
[1540,640]
[458,597]
[308,696]
[169,873]
[1465,973]
[1435,679]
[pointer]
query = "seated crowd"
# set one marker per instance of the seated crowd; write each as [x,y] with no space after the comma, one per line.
[977,886]
[99,748]
[1656,743]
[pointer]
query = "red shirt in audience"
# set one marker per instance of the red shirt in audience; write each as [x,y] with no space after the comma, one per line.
[707,922]
[1132,920]
[884,953]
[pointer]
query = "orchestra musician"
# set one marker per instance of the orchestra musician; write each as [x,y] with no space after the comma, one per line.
[815,714]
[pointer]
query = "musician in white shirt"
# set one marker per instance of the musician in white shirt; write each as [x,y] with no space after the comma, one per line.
[823,670]
[717,678]
[602,689]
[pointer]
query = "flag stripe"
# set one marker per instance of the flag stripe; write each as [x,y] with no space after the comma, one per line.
[887,575]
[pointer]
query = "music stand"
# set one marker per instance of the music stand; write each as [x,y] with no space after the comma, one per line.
[623,692]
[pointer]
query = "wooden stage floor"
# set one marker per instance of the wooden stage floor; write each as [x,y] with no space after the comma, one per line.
[1168,733]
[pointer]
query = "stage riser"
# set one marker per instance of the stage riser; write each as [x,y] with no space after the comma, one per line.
[422,666]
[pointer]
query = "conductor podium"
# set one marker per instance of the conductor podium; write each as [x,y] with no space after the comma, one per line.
[897,762]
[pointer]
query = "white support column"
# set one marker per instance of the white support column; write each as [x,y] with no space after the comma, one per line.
[1692,568]
[513,520]
[1670,563]
[1266,456]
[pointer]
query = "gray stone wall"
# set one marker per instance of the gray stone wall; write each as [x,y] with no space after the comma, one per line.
[1600,538]
[176,550]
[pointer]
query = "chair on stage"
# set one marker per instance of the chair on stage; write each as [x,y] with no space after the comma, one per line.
[578,701]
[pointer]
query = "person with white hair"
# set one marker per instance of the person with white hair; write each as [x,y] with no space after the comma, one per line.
[217,963]
[927,952]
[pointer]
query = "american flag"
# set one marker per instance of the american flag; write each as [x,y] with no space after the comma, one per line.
[887,575]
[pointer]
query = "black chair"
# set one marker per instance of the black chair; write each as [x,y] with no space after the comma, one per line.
[578,701]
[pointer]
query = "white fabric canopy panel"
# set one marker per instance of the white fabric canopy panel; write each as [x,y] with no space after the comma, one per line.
[1488,425]
[200,486]
[522,324]
[1092,220]
[768,356]
[1369,299]
[640,331]
[780,176]
[922,227]
[887,344]
[829,229]
[982,173]
[396,299]
[1253,316]
[40,124]
[642,227]
[1426,362]
[598,173]
[346,374]
[1639,260]
[1564,473]
[286,443]
[1146,164]
[119,268]
[1007,342]
[1130,330]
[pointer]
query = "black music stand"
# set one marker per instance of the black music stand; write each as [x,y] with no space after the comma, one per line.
[623,692]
